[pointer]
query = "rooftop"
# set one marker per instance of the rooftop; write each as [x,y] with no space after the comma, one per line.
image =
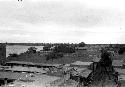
[30,63]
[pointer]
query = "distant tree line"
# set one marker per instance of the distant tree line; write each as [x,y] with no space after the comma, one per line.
[46,44]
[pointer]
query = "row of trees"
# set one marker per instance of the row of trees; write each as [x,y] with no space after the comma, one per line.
[66,48]
[60,49]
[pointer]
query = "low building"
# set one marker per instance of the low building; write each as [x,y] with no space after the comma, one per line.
[81,64]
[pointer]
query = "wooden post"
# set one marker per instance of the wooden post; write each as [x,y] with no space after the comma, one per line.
[93,67]
[2,53]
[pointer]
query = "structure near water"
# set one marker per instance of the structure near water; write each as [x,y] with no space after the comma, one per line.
[2,53]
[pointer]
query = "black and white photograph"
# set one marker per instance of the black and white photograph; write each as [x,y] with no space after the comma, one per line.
[62,43]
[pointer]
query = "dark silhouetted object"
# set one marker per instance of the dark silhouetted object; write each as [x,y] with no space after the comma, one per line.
[121,50]
[2,53]
[104,75]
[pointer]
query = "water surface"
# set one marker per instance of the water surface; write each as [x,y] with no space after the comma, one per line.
[19,49]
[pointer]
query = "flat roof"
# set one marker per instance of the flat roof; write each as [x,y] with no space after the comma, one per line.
[81,63]
[30,63]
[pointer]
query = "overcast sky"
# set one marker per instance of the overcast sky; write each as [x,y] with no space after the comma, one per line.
[73,21]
